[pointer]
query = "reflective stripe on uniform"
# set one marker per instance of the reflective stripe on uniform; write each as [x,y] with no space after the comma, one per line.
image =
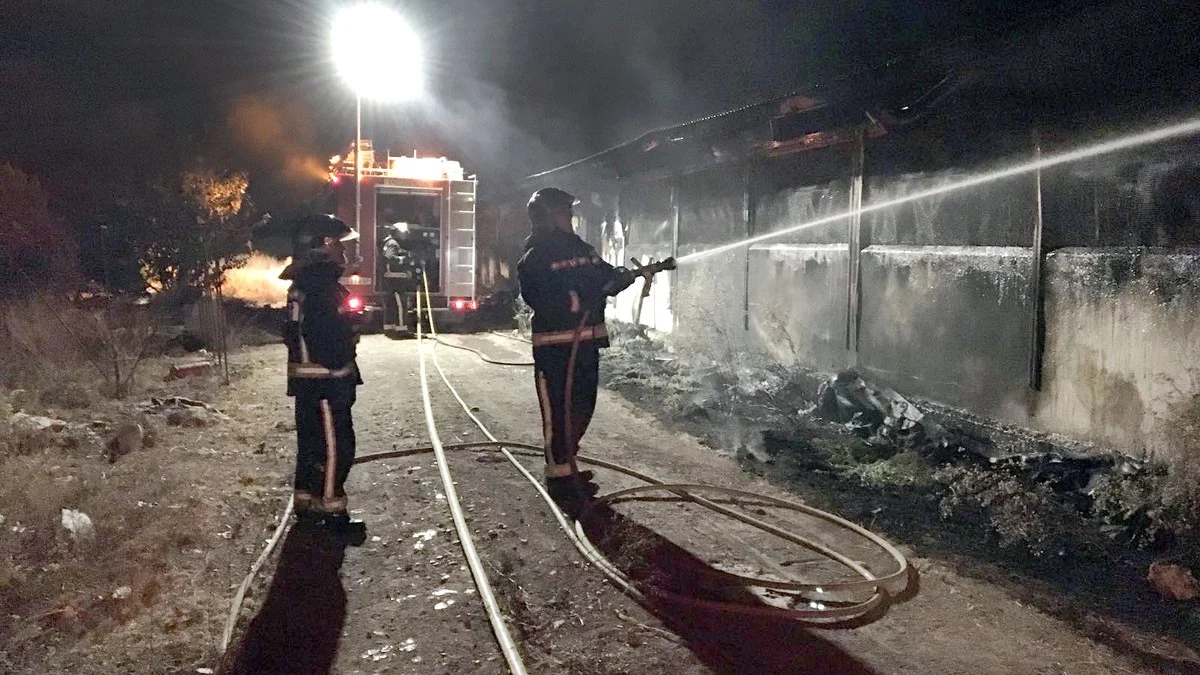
[304,501]
[559,470]
[330,451]
[568,336]
[295,299]
[314,371]
[547,417]
[571,263]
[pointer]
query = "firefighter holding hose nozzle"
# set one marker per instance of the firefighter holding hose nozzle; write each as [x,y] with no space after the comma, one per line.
[567,285]
[321,333]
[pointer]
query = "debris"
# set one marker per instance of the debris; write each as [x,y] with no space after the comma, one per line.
[128,438]
[156,404]
[122,593]
[179,371]
[423,537]
[1174,582]
[188,417]
[184,412]
[34,424]
[79,525]
[878,414]
[378,653]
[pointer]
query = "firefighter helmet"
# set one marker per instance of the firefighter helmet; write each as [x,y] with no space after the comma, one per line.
[325,225]
[547,200]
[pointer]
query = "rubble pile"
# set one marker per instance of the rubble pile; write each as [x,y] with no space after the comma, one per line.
[1030,491]
[879,415]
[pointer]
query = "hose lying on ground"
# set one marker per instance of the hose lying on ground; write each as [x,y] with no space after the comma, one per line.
[646,594]
[879,585]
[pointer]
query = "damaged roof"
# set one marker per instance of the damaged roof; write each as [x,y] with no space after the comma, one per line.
[1099,64]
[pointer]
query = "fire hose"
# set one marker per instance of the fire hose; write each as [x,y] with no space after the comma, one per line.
[881,588]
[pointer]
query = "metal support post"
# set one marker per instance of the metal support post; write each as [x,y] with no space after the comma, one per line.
[854,236]
[358,166]
[1036,329]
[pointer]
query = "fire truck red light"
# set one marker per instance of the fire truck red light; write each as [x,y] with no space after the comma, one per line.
[354,303]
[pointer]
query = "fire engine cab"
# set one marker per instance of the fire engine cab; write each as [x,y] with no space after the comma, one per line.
[417,219]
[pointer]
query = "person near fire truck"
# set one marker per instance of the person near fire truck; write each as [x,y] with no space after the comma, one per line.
[321,333]
[567,285]
[401,275]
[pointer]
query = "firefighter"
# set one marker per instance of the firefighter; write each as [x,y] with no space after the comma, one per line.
[401,276]
[567,285]
[321,333]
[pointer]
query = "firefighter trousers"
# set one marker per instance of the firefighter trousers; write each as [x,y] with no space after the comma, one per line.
[567,397]
[325,442]
[396,309]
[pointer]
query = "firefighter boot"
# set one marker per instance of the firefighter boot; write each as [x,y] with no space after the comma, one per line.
[571,493]
[307,508]
[337,522]
[352,532]
[588,486]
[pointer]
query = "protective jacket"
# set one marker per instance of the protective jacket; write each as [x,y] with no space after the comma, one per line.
[566,283]
[320,330]
[396,256]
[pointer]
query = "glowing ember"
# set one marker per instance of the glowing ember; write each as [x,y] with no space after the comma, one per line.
[258,281]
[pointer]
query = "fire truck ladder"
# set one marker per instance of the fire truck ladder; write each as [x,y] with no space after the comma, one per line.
[460,240]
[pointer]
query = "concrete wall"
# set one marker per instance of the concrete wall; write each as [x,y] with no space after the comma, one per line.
[950,323]
[709,303]
[945,305]
[1122,346]
[798,303]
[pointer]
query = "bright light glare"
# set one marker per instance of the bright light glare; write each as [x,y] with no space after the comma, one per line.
[376,53]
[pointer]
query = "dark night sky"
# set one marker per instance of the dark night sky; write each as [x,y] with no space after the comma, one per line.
[94,93]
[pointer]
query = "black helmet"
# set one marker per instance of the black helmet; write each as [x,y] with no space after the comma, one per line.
[547,200]
[325,225]
[282,237]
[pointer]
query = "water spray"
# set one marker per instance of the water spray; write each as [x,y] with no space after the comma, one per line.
[1180,130]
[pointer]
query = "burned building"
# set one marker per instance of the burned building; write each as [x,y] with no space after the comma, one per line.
[923,223]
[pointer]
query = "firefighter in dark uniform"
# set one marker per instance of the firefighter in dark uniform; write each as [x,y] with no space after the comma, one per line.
[567,285]
[321,333]
[401,276]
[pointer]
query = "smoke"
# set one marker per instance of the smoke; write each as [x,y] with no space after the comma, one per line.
[277,144]
[515,88]
[258,281]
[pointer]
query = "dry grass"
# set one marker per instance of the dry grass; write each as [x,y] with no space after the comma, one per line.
[140,596]
[98,350]
[57,591]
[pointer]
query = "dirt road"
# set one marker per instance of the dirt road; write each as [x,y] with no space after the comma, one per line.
[404,602]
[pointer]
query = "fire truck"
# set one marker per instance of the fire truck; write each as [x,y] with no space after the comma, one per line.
[417,216]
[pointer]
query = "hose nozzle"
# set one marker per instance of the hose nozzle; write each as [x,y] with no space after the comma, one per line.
[651,268]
